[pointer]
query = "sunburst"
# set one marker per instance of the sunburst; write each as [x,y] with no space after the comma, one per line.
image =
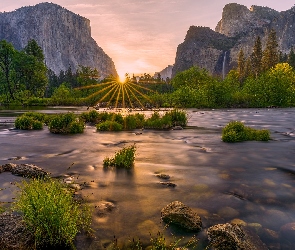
[118,94]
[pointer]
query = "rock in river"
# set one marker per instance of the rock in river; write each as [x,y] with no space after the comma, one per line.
[179,214]
[25,170]
[232,237]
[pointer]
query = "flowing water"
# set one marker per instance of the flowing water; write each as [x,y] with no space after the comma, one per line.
[250,181]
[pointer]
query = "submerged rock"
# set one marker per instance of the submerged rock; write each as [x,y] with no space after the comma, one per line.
[179,214]
[104,207]
[233,237]
[163,176]
[168,184]
[24,170]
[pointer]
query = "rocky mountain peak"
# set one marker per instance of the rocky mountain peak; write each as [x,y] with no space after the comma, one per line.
[64,36]
[238,19]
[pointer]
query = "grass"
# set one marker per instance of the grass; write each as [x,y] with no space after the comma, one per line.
[122,159]
[236,131]
[67,123]
[51,214]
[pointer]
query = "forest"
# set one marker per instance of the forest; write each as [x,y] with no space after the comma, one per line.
[264,79]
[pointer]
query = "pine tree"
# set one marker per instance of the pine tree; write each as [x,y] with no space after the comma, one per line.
[248,68]
[256,57]
[291,58]
[241,65]
[270,55]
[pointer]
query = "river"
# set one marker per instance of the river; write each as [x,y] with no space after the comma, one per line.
[250,181]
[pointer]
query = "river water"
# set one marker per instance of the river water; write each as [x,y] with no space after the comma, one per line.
[250,181]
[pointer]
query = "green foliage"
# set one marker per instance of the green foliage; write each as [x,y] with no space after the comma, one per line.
[236,131]
[158,122]
[271,54]
[178,117]
[91,116]
[50,213]
[109,126]
[30,120]
[122,159]
[67,123]
[134,121]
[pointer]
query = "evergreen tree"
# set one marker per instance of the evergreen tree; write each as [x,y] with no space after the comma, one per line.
[35,50]
[248,68]
[241,66]
[7,55]
[283,57]
[256,57]
[291,58]
[270,55]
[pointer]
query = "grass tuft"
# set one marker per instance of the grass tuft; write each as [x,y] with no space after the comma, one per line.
[122,159]
[50,213]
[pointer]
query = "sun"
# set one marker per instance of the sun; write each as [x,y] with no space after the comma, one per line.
[122,78]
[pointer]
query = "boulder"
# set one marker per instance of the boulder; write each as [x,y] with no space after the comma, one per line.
[233,237]
[13,233]
[25,170]
[181,215]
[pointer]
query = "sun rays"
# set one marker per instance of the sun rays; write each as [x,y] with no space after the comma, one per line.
[118,94]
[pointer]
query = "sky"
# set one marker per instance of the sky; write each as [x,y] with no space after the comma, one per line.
[141,36]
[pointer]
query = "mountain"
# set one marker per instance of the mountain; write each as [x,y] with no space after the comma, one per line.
[167,72]
[217,51]
[64,36]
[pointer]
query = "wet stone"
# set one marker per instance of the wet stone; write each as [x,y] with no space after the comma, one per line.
[13,233]
[181,215]
[25,170]
[163,176]
[168,184]
[231,237]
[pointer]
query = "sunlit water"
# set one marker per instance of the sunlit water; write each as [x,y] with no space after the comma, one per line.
[251,181]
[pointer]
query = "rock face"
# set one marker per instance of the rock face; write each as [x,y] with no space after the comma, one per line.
[217,51]
[64,36]
[232,237]
[179,214]
[167,72]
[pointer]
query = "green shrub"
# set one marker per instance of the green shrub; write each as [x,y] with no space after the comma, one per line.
[178,117]
[50,213]
[133,121]
[66,124]
[158,122]
[236,131]
[109,126]
[27,123]
[91,116]
[122,159]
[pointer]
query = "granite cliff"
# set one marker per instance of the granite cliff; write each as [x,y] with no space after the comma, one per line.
[64,36]
[237,30]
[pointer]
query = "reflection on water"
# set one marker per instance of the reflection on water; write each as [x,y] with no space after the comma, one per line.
[250,181]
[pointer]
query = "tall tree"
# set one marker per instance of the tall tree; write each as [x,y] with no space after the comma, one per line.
[31,70]
[241,65]
[35,50]
[7,54]
[256,57]
[270,55]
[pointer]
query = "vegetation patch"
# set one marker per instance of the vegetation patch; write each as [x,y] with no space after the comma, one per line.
[122,159]
[66,124]
[50,213]
[109,126]
[30,120]
[236,131]
[168,120]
